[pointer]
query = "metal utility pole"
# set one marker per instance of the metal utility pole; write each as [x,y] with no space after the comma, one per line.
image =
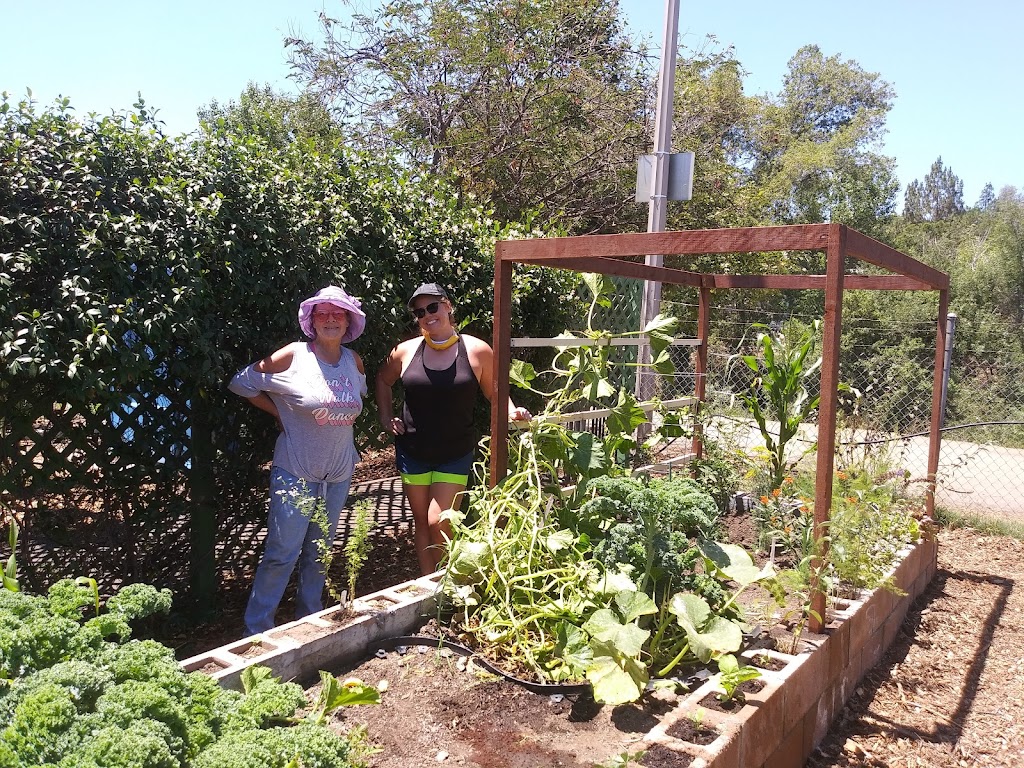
[650,304]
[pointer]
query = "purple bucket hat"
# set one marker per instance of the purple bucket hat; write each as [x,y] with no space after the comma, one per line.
[332,294]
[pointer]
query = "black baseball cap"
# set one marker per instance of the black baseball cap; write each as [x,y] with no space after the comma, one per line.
[428,289]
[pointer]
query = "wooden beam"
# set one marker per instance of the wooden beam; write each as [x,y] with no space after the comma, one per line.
[935,431]
[524,342]
[619,268]
[601,413]
[881,255]
[500,369]
[798,237]
[827,408]
[700,368]
[817,282]
[611,266]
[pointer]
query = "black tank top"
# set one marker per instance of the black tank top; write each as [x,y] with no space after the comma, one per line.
[438,410]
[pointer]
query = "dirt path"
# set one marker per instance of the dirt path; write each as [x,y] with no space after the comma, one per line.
[951,689]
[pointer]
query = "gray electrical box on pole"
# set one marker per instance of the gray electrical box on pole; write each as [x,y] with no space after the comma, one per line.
[680,177]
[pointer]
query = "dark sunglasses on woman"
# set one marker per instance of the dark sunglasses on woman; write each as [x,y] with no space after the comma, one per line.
[430,309]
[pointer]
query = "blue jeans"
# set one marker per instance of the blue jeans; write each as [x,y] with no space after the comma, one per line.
[293,537]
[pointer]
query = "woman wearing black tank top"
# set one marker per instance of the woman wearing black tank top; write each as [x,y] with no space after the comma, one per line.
[442,374]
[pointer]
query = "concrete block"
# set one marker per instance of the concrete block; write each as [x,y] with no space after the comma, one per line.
[824,714]
[804,681]
[838,645]
[763,724]
[723,752]
[861,625]
[873,650]
[790,753]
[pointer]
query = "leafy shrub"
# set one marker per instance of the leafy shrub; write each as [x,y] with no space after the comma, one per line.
[141,268]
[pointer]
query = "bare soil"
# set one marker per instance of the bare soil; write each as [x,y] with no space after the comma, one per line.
[948,692]
[439,709]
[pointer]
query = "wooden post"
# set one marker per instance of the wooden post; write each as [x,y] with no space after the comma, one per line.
[827,407]
[502,343]
[700,368]
[935,431]
[202,509]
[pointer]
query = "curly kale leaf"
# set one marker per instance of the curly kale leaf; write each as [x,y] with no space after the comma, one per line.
[140,744]
[617,488]
[137,601]
[39,642]
[677,505]
[84,681]
[313,746]
[40,720]
[67,598]
[626,544]
[134,700]
[268,701]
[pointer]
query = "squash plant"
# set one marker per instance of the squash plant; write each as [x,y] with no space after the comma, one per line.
[609,580]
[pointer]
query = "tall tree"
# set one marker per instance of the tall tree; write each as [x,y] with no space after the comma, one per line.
[276,117]
[712,119]
[816,149]
[940,196]
[987,198]
[527,104]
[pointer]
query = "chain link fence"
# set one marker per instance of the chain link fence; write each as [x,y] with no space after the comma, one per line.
[888,366]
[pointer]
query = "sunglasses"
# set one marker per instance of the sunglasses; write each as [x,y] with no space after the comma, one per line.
[430,309]
[337,314]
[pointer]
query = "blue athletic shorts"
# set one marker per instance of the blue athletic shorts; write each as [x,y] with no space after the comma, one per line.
[420,472]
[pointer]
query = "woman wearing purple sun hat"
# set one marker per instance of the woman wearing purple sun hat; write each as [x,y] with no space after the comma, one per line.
[315,390]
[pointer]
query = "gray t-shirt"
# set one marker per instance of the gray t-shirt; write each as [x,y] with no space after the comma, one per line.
[318,404]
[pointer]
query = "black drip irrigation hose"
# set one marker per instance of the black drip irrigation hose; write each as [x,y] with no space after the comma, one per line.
[544,689]
[548,689]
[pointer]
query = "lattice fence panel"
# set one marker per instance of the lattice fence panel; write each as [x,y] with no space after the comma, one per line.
[99,489]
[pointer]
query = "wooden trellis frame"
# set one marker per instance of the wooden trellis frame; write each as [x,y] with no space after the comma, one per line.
[611,254]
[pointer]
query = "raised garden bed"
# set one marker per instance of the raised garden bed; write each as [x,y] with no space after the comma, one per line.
[324,640]
[776,726]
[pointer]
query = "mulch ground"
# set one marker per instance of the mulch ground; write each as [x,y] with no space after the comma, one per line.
[951,688]
[949,691]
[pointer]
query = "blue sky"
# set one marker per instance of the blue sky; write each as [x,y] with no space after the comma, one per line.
[956,67]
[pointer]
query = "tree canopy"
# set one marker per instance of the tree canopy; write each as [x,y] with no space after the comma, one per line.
[532,106]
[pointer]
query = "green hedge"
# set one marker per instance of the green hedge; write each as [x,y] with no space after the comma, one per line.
[135,267]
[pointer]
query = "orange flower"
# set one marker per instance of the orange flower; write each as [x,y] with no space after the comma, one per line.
[841,475]
[788,480]
[776,493]
[764,499]
[804,508]
[852,499]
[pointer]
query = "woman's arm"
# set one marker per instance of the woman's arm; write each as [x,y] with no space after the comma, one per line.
[481,358]
[247,381]
[276,362]
[389,372]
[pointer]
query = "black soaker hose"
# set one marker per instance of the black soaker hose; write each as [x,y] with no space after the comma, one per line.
[547,689]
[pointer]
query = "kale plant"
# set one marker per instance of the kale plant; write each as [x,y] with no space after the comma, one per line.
[78,693]
[652,531]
